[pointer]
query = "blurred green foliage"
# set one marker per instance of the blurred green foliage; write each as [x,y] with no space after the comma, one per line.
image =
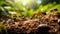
[29,9]
[3,28]
[44,2]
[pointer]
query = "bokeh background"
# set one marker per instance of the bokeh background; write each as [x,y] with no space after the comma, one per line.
[24,8]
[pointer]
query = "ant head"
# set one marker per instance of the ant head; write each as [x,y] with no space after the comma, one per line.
[44,13]
[51,10]
[55,9]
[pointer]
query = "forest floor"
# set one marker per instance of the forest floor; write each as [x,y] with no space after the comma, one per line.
[48,24]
